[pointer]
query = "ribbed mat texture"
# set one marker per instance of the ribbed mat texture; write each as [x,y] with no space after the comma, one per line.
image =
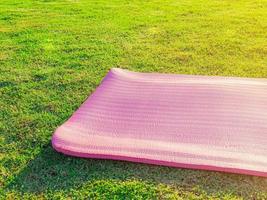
[197,122]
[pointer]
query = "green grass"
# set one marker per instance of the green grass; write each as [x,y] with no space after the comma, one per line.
[54,53]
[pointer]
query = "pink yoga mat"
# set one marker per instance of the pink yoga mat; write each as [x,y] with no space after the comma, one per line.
[199,122]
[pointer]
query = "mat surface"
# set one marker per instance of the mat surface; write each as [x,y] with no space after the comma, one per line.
[199,122]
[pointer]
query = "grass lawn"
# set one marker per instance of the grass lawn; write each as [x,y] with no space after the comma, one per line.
[54,53]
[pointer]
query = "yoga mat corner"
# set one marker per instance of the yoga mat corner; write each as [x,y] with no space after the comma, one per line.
[197,122]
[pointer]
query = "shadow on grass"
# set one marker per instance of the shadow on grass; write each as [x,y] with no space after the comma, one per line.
[53,171]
